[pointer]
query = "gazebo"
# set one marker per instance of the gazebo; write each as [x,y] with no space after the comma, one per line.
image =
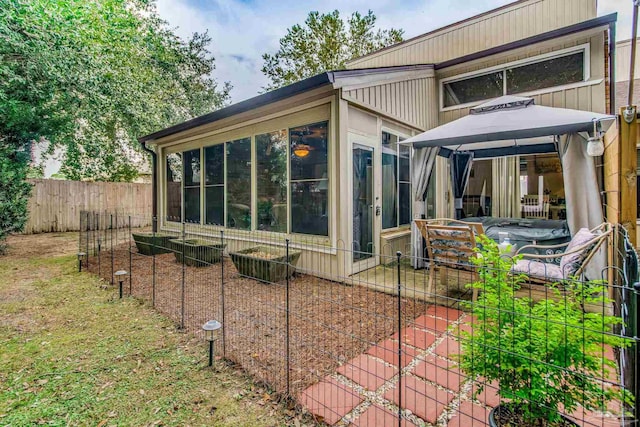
[510,126]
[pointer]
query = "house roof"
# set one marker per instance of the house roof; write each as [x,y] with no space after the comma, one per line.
[538,38]
[326,78]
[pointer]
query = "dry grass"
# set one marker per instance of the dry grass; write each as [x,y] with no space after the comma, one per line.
[72,354]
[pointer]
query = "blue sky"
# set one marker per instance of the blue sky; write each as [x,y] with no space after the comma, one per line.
[243,30]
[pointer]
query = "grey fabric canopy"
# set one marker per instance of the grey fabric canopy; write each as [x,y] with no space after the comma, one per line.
[508,126]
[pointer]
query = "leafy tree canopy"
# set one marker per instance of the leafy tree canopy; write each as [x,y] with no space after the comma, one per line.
[91,76]
[325,42]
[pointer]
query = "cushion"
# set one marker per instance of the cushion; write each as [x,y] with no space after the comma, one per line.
[543,270]
[569,264]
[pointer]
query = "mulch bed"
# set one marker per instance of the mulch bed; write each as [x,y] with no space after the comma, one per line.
[329,323]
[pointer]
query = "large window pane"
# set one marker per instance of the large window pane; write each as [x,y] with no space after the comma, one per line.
[309,179]
[192,168]
[215,204]
[239,184]
[404,200]
[174,187]
[192,204]
[549,73]
[214,184]
[271,149]
[192,185]
[309,151]
[214,170]
[473,89]
[309,208]
[389,180]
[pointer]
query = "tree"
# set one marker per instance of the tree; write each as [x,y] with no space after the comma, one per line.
[325,42]
[91,77]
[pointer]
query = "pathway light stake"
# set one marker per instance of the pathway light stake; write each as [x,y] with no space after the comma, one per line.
[210,334]
[81,256]
[120,274]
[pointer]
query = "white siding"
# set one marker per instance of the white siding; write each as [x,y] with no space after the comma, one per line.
[515,22]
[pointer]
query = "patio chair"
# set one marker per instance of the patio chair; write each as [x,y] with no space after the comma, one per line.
[579,251]
[450,244]
[534,208]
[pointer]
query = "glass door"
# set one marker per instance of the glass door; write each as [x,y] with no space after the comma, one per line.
[363,203]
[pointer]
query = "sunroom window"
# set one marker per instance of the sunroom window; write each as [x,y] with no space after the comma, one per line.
[192,185]
[309,179]
[239,184]
[271,152]
[396,182]
[214,184]
[517,78]
[174,187]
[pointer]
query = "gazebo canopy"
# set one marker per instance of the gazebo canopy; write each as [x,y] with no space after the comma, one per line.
[507,126]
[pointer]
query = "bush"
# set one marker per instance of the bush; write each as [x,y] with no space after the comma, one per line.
[543,353]
[14,190]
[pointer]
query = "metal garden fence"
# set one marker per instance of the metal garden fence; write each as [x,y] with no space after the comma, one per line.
[379,347]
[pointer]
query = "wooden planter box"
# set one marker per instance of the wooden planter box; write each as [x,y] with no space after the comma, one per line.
[197,252]
[149,243]
[265,263]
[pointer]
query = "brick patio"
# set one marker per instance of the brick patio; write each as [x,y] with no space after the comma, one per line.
[366,390]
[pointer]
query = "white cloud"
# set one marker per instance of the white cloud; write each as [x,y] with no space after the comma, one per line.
[243,30]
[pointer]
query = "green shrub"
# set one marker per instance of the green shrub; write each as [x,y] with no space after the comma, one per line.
[544,353]
[14,190]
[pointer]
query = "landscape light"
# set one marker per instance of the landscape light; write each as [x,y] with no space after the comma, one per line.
[120,277]
[210,333]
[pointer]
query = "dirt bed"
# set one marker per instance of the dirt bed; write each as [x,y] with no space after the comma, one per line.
[329,323]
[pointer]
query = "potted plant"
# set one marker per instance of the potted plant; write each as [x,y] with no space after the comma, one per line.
[543,354]
[265,263]
[150,243]
[197,252]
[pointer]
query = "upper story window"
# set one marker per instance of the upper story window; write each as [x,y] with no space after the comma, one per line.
[545,71]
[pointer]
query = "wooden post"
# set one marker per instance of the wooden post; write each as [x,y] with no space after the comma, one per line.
[628,166]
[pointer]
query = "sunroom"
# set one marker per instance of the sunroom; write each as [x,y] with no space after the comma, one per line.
[318,163]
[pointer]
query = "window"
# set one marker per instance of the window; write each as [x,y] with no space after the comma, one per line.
[214,184]
[271,188]
[291,182]
[192,185]
[517,78]
[473,89]
[239,184]
[396,182]
[309,180]
[549,73]
[174,187]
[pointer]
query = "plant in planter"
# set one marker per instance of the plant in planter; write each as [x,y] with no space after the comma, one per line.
[197,252]
[149,243]
[543,354]
[265,263]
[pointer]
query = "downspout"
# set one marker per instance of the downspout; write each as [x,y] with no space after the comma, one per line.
[612,68]
[154,184]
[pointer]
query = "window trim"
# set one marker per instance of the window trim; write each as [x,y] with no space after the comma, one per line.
[398,227]
[585,47]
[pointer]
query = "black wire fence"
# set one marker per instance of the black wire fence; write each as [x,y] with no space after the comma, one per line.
[387,345]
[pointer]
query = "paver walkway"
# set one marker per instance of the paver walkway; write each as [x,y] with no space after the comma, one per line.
[366,391]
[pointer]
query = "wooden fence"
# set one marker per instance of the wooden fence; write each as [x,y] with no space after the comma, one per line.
[55,205]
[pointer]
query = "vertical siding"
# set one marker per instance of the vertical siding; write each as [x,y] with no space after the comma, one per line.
[409,101]
[591,97]
[506,25]
[623,61]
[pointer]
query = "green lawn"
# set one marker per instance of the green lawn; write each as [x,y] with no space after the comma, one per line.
[72,354]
